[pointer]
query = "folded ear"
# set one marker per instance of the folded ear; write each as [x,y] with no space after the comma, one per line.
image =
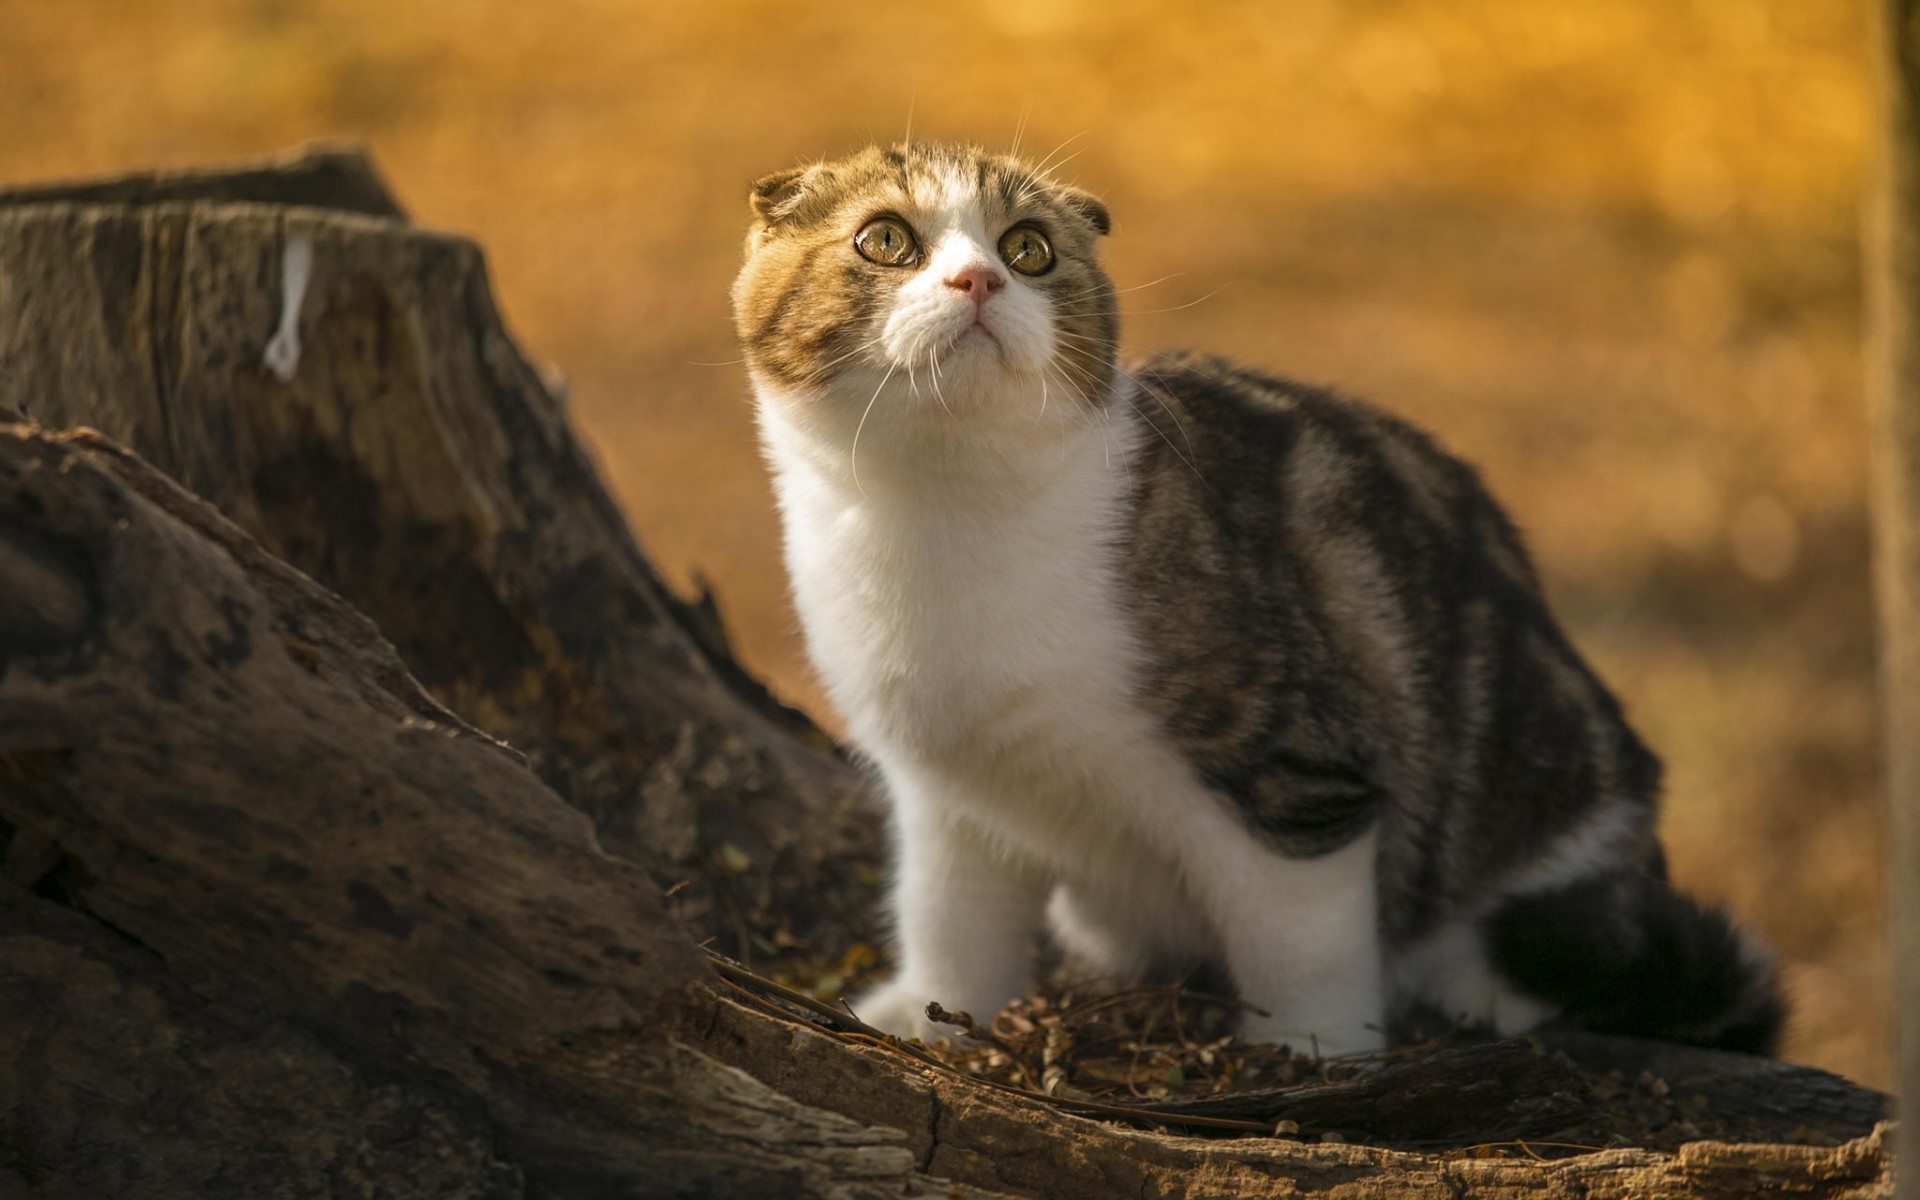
[778,194]
[1087,205]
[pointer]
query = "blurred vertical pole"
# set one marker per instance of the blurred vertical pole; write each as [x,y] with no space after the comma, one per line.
[1892,271]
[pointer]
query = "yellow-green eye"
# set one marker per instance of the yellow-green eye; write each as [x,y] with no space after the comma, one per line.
[1026,250]
[887,241]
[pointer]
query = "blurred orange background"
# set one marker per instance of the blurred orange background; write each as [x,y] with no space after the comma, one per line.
[1606,249]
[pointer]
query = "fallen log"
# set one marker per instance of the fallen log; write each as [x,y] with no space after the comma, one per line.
[216,759]
[257,876]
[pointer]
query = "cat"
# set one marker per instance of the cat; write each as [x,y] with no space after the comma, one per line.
[1185,663]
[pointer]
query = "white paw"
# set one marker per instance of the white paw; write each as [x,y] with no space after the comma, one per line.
[1326,1039]
[900,1008]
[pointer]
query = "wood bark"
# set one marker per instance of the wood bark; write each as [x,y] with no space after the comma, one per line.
[274,920]
[1893,275]
[323,175]
[225,765]
[413,462]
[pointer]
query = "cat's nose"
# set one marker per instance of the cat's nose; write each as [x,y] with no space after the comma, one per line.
[979,282]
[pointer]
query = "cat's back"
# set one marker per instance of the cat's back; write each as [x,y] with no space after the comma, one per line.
[1339,624]
[1304,497]
[1231,434]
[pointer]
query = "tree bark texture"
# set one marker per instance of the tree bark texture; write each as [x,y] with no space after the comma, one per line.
[275,921]
[1893,274]
[338,177]
[413,462]
[226,767]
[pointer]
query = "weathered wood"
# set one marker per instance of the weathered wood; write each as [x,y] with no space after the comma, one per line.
[323,175]
[1457,1096]
[988,1139]
[1892,271]
[413,462]
[1762,1098]
[230,768]
[140,1087]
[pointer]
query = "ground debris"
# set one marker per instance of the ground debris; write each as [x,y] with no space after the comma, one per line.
[1144,1043]
[1167,1055]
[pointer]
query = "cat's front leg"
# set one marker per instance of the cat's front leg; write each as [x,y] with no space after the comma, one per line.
[964,915]
[1302,940]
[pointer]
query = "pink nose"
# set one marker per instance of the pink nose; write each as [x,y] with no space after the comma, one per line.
[977,282]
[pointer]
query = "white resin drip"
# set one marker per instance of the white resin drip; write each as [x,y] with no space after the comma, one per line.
[282,356]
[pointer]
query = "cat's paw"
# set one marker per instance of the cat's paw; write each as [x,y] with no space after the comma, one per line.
[1322,1040]
[900,1008]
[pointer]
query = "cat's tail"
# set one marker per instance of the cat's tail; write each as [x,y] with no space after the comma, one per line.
[1625,953]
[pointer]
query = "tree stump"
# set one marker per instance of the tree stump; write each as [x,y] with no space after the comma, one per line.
[276,920]
[409,459]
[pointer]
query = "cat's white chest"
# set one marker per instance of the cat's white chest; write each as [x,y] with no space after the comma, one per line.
[976,632]
[937,620]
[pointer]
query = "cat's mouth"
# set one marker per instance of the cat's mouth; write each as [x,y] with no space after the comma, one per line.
[974,335]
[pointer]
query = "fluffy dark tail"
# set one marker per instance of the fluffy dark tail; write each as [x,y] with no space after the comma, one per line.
[1627,954]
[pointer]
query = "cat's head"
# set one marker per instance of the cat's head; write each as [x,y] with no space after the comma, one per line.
[940,276]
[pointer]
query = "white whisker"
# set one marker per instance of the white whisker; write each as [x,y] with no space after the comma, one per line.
[1149,311]
[1041,168]
[938,394]
[1113,291]
[853,452]
[1160,398]
[1036,176]
[819,371]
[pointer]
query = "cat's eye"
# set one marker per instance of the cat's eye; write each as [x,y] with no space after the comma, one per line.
[887,241]
[1025,249]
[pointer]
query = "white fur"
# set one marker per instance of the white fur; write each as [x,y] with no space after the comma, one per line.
[1450,970]
[956,580]
[1601,839]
